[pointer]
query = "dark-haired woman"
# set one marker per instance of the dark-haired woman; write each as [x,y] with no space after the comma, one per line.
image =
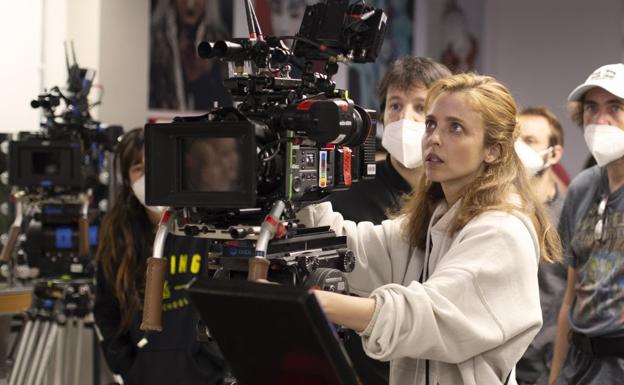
[173,356]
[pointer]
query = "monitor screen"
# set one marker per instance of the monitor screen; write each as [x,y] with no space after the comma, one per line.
[272,334]
[46,163]
[201,164]
[211,164]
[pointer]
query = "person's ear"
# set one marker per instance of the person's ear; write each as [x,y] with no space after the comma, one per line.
[492,154]
[555,154]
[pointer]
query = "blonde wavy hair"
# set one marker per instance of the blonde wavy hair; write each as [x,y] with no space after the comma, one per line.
[497,181]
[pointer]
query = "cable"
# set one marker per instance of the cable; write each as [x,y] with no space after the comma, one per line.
[250,25]
[255,20]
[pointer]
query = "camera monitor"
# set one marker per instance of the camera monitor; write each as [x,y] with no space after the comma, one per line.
[272,334]
[201,164]
[41,163]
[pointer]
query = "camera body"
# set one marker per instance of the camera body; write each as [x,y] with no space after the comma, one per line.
[60,176]
[52,241]
[355,31]
[39,162]
[60,162]
[230,161]
[286,143]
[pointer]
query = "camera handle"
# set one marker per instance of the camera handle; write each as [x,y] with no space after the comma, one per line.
[155,277]
[259,265]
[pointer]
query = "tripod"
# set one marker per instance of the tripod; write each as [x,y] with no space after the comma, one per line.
[60,312]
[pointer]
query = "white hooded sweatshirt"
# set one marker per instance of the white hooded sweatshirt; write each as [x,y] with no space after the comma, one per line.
[476,311]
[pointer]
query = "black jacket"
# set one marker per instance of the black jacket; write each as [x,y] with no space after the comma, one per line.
[173,356]
[370,200]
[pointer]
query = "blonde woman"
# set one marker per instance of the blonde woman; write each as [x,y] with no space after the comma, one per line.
[456,298]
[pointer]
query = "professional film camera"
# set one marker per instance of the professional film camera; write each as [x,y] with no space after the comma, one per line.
[59,178]
[237,175]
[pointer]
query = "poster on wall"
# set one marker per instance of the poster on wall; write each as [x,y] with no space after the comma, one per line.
[283,18]
[179,80]
[453,33]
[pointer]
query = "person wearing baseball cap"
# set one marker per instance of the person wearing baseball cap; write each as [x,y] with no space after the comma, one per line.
[589,348]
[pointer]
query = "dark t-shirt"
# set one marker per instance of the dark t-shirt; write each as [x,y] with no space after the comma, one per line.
[599,296]
[172,356]
[370,200]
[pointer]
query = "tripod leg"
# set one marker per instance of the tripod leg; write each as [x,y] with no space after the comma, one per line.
[20,366]
[79,332]
[21,350]
[58,356]
[36,362]
[69,338]
[45,356]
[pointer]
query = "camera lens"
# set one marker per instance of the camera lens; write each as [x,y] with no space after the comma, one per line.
[205,50]
[335,121]
[224,48]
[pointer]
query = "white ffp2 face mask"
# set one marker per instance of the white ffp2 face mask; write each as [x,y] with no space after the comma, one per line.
[138,188]
[403,140]
[532,160]
[605,142]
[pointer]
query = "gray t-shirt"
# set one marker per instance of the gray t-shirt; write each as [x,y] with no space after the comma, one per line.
[534,366]
[597,306]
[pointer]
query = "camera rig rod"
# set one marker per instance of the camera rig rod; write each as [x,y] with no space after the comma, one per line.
[259,264]
[155,277]
[83,225]
[14,232]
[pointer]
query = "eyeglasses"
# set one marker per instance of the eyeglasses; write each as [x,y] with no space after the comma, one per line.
[601,225]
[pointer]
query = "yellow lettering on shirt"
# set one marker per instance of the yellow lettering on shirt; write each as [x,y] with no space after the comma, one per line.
[182,262]
[172,265]
[166,291]
[195,263]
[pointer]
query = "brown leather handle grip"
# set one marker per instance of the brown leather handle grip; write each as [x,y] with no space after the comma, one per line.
[152,306]
[258,268]
[83,236]
[7,251]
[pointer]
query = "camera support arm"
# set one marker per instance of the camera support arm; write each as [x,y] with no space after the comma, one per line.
[259,264]
[155,276]
[14,232]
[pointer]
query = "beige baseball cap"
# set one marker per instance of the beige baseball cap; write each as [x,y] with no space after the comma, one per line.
[609,77]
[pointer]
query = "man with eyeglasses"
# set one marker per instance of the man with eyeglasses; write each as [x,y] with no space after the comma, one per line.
[541,135]
[589,348]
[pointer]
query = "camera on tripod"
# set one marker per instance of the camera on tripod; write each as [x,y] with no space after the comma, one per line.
[66,156]
[59,176]
[237,175]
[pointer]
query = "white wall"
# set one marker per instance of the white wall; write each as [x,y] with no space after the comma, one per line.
[109,36]
[543,49]
[124,61]
[32,35]
[20,39]
[55,33]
